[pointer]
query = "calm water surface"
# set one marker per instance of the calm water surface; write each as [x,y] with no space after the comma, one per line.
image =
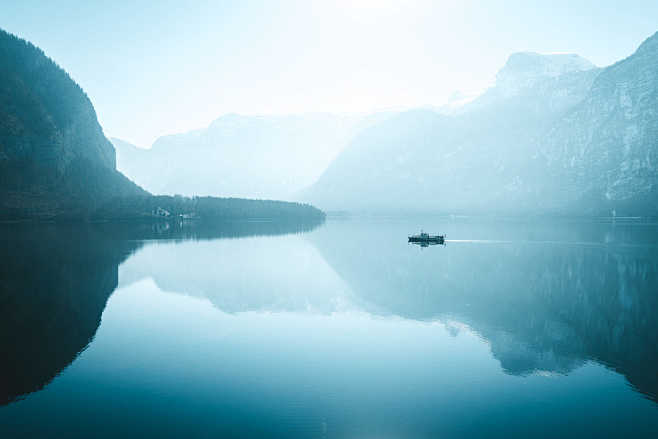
[512,329]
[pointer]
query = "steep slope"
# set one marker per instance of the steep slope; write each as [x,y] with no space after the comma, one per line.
[554,135]
[480,160]
[130,159]
[54,159]
[55,162]
[604,153]
[247,156]
[388,164]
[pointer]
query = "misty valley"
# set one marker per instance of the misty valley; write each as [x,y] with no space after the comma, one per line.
[328,219]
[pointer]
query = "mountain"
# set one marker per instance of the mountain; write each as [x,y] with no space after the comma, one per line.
[526,68]
[248,156]
[553,135]
[603,154]
[54,159]
[55,162]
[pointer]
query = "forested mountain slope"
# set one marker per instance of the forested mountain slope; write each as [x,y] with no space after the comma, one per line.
[54,159]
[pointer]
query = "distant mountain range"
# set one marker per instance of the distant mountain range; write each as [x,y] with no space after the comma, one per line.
[247,156]
[56,164]
[554,135]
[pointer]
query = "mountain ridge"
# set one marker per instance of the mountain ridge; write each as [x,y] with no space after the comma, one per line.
[57,164]
[54,157]
[511,152]
[250,156]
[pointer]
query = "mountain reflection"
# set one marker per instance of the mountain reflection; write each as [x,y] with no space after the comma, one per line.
[56,280]
[546,297]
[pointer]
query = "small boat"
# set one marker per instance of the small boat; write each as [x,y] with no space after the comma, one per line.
[426,238]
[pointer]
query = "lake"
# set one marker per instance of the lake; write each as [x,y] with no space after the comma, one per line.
[339,330]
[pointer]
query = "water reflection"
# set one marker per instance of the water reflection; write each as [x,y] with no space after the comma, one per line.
[256,274]
[546,296]
[332,325]
[423,244]
[56,280]
[55,283]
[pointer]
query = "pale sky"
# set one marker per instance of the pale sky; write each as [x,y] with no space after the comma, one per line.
[159,67]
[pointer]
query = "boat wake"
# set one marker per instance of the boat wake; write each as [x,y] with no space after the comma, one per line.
[562,243]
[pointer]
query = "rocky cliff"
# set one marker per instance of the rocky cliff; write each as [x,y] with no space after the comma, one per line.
[554,135]
[604,152]
[54,159]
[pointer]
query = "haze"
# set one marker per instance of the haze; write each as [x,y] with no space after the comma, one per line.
[329,219]
[158,67]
